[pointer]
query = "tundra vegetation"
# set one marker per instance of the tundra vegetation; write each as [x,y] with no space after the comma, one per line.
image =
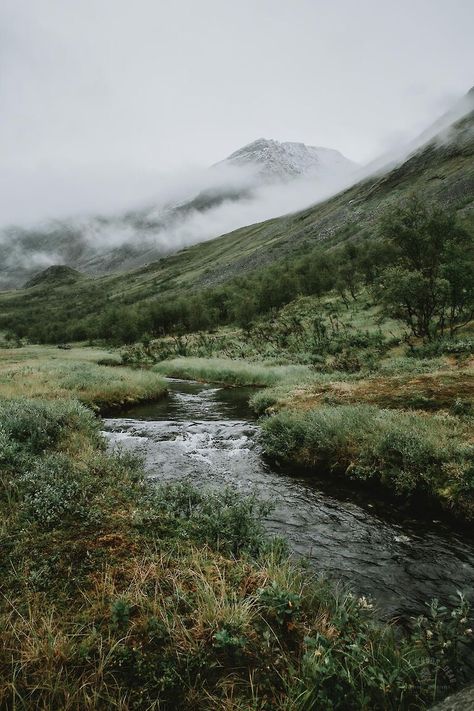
[117,593]
[371,378]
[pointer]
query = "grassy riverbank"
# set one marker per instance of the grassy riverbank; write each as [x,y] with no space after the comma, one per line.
[411,454]
[42,372]
[406,426]
[225,371]
[117,594]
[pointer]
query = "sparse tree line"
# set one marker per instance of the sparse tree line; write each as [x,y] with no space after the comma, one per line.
[420,269]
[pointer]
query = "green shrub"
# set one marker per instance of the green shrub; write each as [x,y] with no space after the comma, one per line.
[227,640]
[120,613]
[443,346]
[222,519]
[361,666]
[110,361]
[54,492]
[40,425]
[462,408]
[282,605]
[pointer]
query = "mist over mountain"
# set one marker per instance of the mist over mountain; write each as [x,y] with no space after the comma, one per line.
[440,131]
[440,172]
[260,180]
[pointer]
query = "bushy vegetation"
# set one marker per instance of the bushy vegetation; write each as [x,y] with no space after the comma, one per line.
[418,264]
[430,285]
[409,453]
[238,302]
[320,333]
[117,593]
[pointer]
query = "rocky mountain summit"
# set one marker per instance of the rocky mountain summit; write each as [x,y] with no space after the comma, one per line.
[280,161]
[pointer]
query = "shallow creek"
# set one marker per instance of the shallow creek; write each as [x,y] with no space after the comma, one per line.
[209,435]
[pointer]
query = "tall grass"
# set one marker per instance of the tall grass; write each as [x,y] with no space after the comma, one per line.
[230,372]
[409,453]
[100,386]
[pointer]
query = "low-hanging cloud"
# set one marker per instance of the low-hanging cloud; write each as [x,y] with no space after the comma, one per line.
[182,209]
[188,208]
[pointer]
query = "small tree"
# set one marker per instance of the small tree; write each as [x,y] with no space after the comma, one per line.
[430,285]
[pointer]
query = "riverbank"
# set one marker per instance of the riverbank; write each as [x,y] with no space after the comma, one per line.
[232,373]
[90,375]
[118,593]
[407,427]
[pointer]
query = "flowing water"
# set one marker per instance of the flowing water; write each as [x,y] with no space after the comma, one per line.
[209,436]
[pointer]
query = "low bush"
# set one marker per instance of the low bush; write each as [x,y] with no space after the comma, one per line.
[39,425]
[223,520]
[460,346]
[54,492]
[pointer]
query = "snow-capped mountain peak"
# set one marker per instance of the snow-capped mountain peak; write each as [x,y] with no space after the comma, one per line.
[279,161]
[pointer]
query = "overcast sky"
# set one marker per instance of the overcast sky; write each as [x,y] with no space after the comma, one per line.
[100,99]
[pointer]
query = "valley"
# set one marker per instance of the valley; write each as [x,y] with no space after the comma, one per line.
[242,476]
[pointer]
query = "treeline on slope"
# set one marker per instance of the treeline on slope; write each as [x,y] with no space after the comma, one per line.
[419,268]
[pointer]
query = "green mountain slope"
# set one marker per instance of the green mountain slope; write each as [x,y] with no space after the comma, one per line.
[442,172]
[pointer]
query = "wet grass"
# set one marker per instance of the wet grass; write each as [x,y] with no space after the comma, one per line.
[425,386]
[406,426]
[117,594]
[435,384]
[410,453]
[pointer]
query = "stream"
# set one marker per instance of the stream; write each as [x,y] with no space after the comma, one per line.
[208,435]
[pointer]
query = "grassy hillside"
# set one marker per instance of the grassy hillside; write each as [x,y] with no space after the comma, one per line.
[442,173]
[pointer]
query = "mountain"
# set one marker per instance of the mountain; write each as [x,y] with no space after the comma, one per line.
[280,161]
[441,172]
[52,276]
[103,244]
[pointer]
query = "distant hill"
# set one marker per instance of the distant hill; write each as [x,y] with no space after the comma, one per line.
[54,275]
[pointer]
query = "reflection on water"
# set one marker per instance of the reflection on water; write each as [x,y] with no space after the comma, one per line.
[208,435]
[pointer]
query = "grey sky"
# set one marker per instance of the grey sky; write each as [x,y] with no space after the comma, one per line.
[100,98]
